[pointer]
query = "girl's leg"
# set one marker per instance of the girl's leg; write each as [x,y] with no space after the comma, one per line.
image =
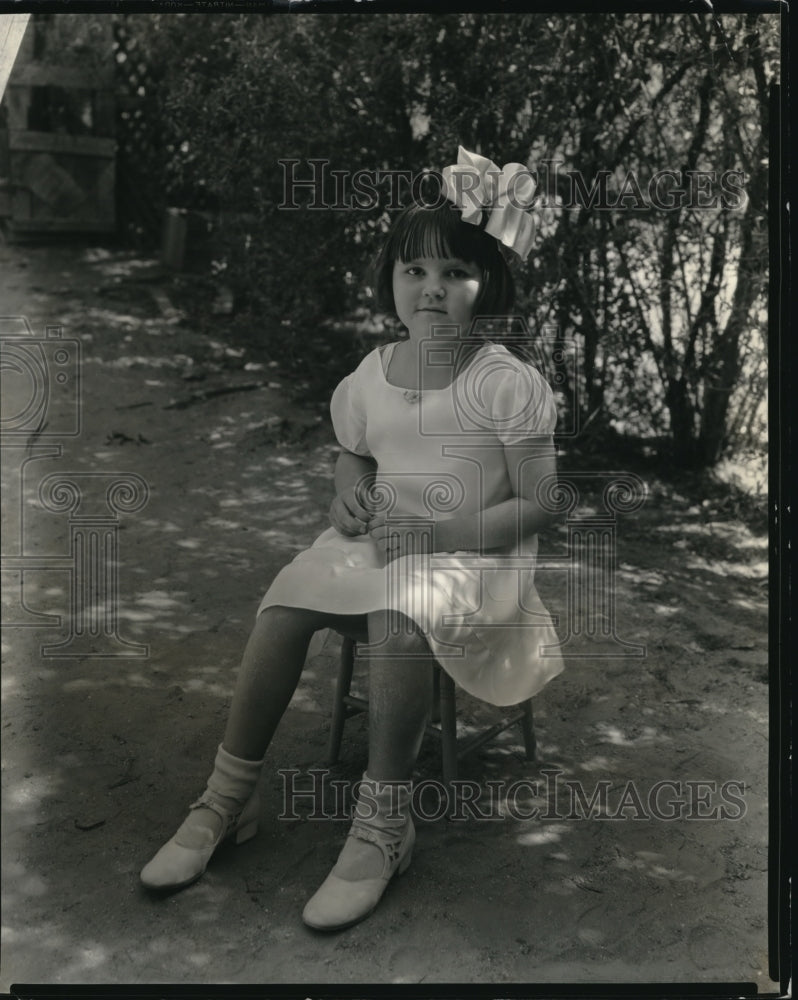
[400,696]
[381,839]
[270,670]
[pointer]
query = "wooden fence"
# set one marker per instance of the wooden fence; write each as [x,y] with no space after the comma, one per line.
[79,148]
[58,145]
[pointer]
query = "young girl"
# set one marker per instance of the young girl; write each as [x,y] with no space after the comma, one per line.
[445,440]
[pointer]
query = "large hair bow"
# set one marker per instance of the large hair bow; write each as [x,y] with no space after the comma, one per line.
[476,184]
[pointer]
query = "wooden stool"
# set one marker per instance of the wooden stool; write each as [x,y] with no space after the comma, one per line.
[444,709]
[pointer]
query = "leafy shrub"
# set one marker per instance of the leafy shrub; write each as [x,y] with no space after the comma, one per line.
[665,307]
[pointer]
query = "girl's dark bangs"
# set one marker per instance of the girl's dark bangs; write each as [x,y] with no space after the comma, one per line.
[437,233]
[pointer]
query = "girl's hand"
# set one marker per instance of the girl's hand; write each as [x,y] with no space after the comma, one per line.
[395,540]
[347,513]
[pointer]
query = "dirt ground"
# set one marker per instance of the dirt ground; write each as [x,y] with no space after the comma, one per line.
[102,753]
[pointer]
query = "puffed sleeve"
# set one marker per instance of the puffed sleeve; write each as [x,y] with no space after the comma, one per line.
[348,412]
[523,405]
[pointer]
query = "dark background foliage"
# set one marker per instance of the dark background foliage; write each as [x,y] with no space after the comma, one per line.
[659,315]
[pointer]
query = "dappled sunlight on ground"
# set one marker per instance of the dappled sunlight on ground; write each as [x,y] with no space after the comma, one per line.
[160,526]
[752,571]
[749,604]
[133,679]
[30,792]
[665,609]
[648,578]
[650,863]
[103,755]
[304,701]
[110,318]
[552,833]
[9,684]
[647,735]
[139,361]
[598,764]
[163,600]
[190,543]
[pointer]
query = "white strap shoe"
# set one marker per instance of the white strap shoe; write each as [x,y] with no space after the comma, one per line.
[233,796]
[343,899]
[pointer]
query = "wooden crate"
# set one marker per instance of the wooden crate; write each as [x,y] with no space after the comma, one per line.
[57,147]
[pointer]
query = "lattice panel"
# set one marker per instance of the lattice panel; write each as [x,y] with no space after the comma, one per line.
[139,155]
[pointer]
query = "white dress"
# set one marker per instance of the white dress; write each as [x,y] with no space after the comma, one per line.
[441,454]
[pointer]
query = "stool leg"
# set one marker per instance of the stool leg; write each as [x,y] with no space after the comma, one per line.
[448,726]
[528,729]
[435,713]
[342,686]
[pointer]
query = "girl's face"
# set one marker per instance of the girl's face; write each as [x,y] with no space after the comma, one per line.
[429,291]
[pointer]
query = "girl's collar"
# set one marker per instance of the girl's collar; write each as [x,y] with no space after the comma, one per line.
[385,353]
